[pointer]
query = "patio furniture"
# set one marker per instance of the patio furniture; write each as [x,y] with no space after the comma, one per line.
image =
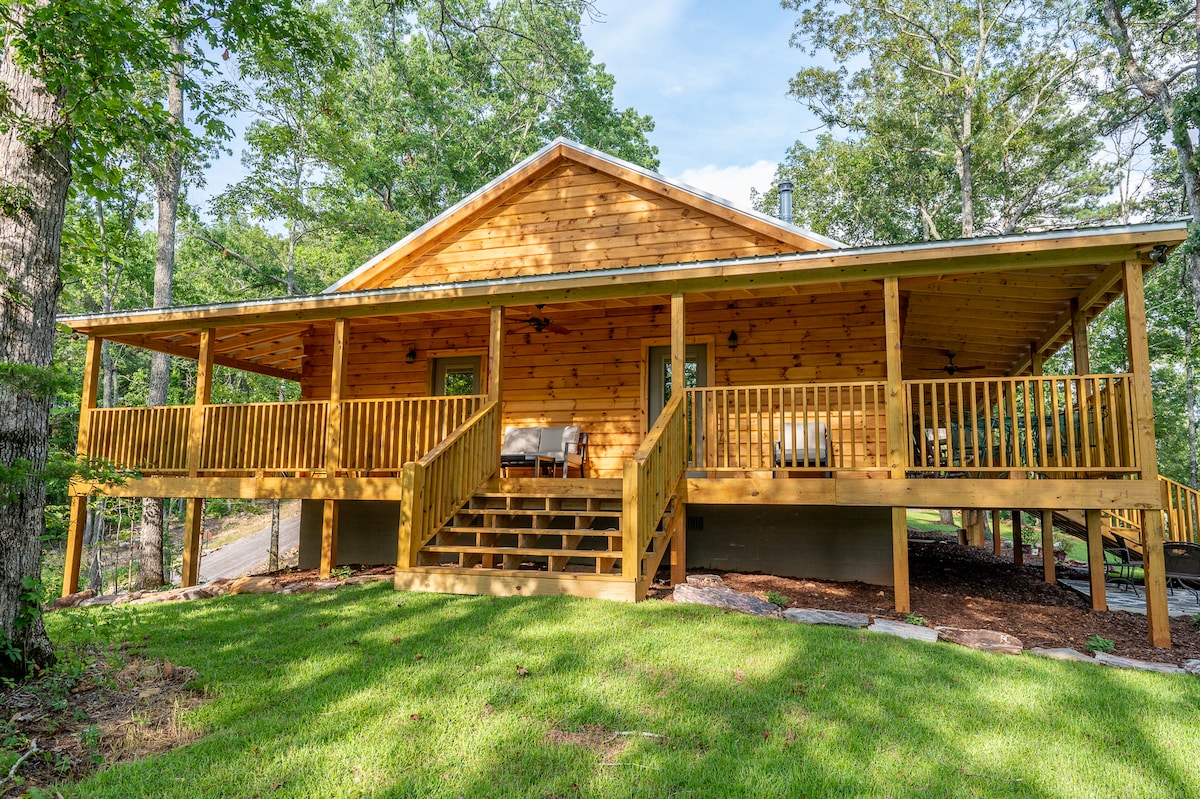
[801,445]
[1119,564]
[544,448]
[1183,566]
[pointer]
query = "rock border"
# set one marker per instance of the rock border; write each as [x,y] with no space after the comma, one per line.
[711,590]
[254,584]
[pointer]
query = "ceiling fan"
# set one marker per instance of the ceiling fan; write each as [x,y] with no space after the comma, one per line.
[952,368]
[540,323]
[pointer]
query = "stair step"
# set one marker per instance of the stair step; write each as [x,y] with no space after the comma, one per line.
[460,530]
[525,551]
[608,514]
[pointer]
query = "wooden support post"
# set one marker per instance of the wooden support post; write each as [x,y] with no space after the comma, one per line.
[900,559]
[996,532]
[189,574]
[192,525]
[496,379]
[329,533]
[630,557]
[1079,339]
[337,389]
[897,427]
[1095,546]
[411,504]
[678,343]
[1153,566]
[1037,361]
[87,402]
[1018,541]
[496,355]
[679,544]
[204,375]
[1048,547]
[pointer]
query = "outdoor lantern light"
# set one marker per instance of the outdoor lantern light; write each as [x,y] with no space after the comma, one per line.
[411,355]
[733,339]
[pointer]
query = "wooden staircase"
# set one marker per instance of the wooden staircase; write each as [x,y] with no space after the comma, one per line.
[536,536]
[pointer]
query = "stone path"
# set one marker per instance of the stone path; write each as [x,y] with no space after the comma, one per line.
[1180,603]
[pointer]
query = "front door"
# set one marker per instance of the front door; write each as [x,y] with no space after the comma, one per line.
[695,374]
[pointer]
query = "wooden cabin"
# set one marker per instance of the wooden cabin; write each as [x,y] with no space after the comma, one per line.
[825,390]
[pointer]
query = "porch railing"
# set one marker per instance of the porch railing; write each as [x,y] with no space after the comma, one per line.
[152,440]
[264,436]
[649,483]
[1051,424]
[435,487]
[273,437]
[742,428]
[1181,505]
[383,435]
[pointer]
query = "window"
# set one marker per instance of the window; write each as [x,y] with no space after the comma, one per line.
[454,377]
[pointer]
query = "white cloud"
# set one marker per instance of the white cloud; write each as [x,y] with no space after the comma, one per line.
[732,183]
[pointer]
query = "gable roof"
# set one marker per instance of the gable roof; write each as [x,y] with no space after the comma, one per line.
[570,208]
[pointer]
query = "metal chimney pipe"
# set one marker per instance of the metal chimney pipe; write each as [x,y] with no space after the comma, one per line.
[785,201]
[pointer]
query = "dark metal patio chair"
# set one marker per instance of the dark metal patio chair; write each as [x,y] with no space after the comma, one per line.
[1183,566]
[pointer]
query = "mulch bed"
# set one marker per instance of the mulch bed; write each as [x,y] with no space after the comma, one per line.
[967,587]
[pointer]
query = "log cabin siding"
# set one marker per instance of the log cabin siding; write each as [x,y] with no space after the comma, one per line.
[595,375]
[576,218]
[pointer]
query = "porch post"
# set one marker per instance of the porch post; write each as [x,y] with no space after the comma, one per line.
[189,574]
[1079,339]
[679,383]
[996,531]
[1153,567]
[897,443]
[1018,542]
[496,355]
[1095,546]
[91,378]
[333,442]
[495,371]
[1048,547]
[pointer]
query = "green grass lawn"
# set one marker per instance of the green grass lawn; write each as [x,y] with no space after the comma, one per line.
[366,692]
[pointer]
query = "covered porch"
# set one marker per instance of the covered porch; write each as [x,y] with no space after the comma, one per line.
[823,398]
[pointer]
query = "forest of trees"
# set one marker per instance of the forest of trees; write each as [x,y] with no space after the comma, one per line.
[945,119]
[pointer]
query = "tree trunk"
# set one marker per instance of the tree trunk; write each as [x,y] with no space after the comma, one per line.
[34,181]
[167,179]
[946,517]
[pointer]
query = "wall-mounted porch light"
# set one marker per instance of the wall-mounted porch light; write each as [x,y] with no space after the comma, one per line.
[411,355]
[733,339]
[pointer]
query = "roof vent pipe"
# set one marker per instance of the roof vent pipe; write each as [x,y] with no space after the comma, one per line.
[785,201]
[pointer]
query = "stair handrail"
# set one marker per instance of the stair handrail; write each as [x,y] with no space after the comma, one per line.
[1181,507]
[435,487]
[650,479]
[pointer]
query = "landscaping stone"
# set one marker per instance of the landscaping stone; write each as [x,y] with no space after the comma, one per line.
[1133,663]
[103,599]
[255,585]
[218,587]
[705,581]
[71,600]
[1060,653]
[726,598]
[360,579]
[984,640]
[124,599]
[837,618]
[913,632]
[1192,666]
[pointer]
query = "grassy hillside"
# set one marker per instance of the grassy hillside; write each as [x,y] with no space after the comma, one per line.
[366,692]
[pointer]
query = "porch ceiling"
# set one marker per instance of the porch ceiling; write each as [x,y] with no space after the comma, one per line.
[990,321]
[986,300]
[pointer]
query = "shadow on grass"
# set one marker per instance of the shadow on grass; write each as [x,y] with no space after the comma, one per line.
[368,692]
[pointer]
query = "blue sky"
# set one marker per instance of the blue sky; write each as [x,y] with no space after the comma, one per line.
[712,73]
